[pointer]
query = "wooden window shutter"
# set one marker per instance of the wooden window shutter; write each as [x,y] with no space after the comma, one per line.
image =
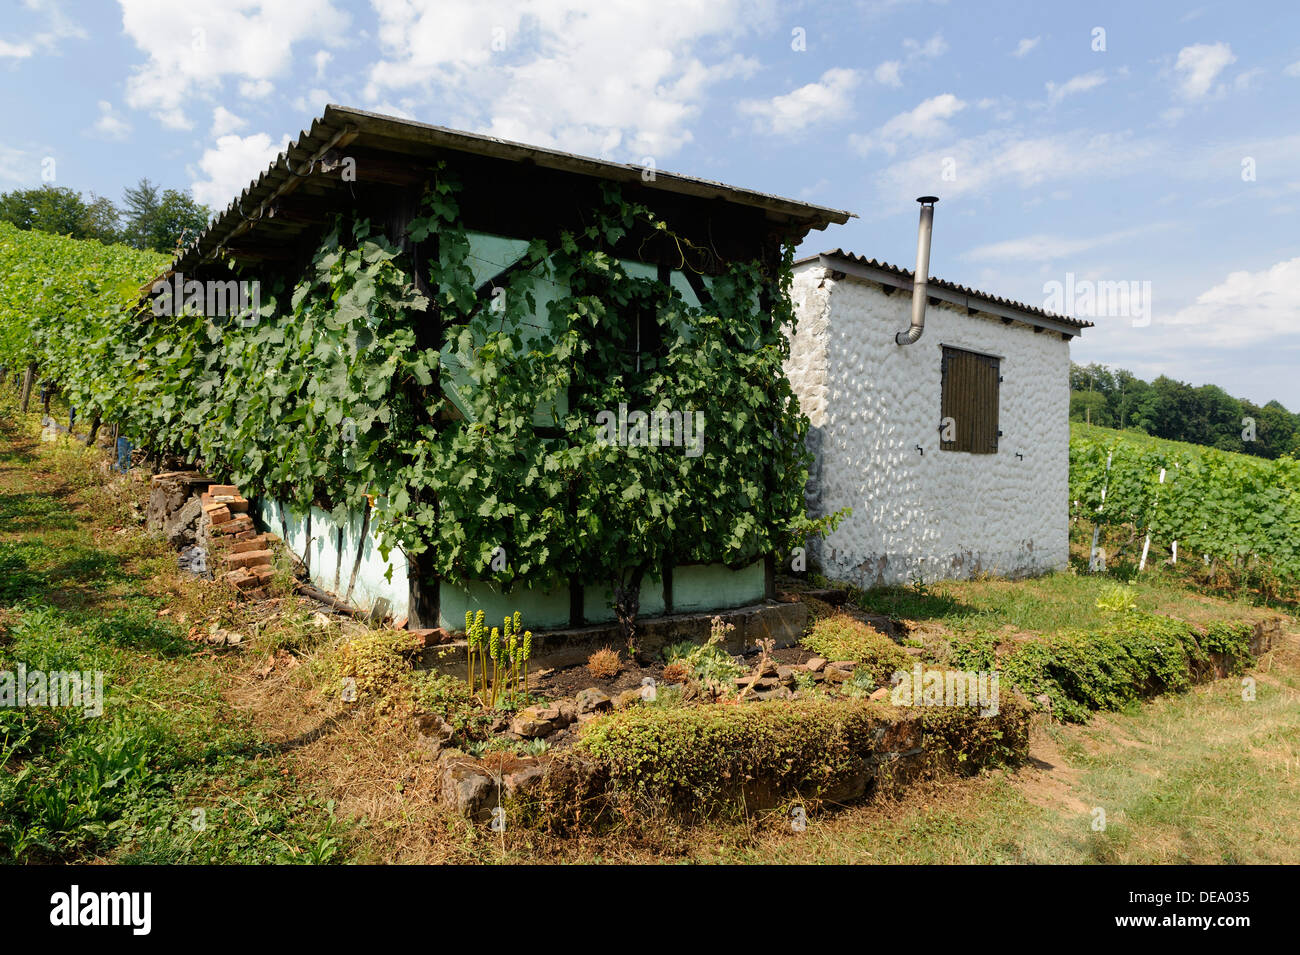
[970,398]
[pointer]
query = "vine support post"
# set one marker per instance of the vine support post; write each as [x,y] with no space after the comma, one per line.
[1146,544]
[28,379]
[1096,559]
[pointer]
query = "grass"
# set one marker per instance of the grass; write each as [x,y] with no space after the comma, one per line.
[169,772]
[1184,779]
[1053,602]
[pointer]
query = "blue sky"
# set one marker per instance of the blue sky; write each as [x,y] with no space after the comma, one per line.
[1164,149]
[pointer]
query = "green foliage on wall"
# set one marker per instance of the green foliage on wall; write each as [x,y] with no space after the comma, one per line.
[328,396]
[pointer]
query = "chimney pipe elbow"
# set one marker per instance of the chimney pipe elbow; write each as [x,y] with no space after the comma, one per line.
[921,276]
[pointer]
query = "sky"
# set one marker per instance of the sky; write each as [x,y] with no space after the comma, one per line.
[1073,146]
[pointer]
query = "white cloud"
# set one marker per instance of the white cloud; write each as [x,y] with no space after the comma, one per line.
[1199,66]
[827,99]
[979,164]
[934,47]
[224,121]
[192,48]
[619,76]
[110,125]
[17,51]
[17,165]
[58,27]
[322,60]
[1245,79]
[231,165]
[1077,84]
[889,73]
[256,89]
[1293,69]
[1048,247]
[314,101]
[1025,45]
[926,121]
[1245,308]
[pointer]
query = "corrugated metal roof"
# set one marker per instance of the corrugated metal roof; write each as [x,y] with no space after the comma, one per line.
[340,126]
[973,299]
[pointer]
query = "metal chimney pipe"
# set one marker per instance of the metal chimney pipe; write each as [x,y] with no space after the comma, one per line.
[921,277]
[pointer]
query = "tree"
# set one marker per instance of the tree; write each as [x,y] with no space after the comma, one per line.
[161,220]
[140,209]
[61,211]
[1090,406]
[101,220]
[179,219]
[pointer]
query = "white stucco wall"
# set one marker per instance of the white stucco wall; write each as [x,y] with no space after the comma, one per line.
[940,514]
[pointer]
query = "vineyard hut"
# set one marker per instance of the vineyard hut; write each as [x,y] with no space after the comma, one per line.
[486,228]
[939,414]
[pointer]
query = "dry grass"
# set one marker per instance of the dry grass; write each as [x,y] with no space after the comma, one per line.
[604,664]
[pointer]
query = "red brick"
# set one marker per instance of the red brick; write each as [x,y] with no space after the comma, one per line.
[244,544]
[431,637]
[236,526]
[248,558]
[216,490]
[217,514]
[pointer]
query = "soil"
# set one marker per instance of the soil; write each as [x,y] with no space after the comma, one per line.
[567,681]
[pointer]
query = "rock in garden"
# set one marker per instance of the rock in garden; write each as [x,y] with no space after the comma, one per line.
[524,780]
[816,664]
[593,700]
[183,528]
[879,695]
[468,791]
[535,721]
[434,732]
[628,698]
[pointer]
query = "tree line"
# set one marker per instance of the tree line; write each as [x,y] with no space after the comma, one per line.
[1177,411]
[148,217]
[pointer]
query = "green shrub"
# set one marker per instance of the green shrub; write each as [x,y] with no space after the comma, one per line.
[700,756]
[1137,656]
[375,660]
[842,637]
[957,738]
[1232,641]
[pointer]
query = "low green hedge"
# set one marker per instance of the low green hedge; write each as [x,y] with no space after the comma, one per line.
[1137,656]
[695,758]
